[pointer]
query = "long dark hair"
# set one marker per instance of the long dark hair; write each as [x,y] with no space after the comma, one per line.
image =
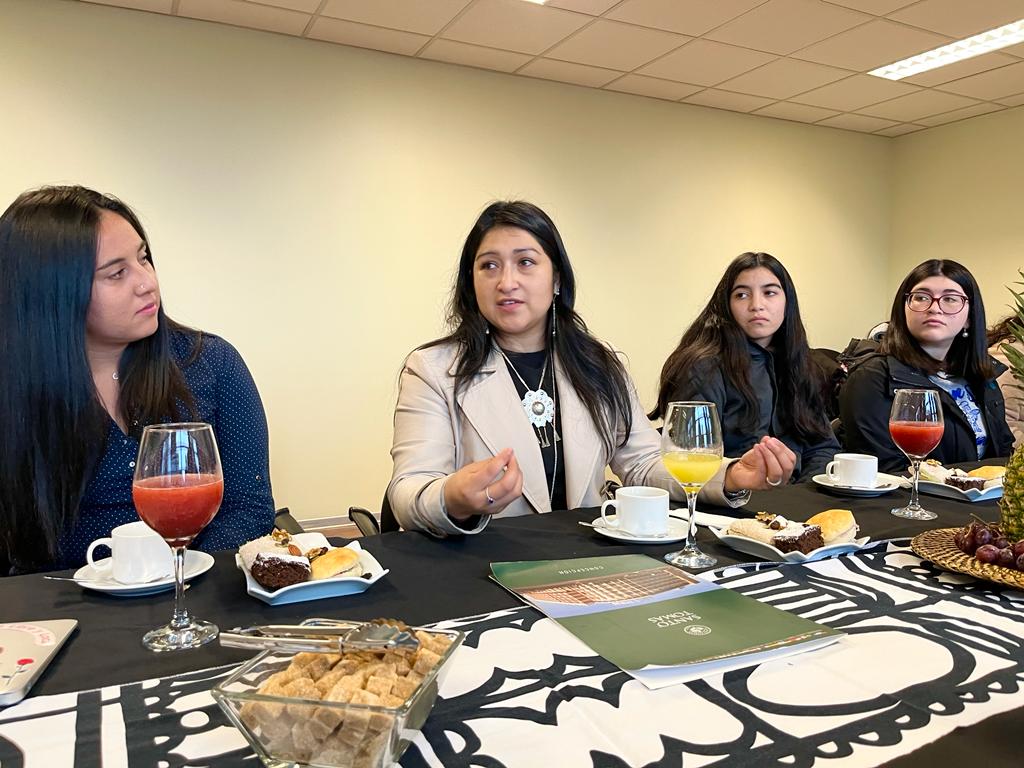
[595,371]
[53,424]
[967,357]
[715,335]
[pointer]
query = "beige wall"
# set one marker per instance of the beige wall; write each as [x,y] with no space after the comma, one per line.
[959,194]
[308,201]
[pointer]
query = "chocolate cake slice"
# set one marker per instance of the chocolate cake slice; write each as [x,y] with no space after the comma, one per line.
[273,571]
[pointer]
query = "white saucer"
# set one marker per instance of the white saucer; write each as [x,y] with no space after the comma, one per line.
[676,532]
[196,563]
[883,484]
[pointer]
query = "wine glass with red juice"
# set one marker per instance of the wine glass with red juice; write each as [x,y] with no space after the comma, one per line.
[177,489]
[916,426]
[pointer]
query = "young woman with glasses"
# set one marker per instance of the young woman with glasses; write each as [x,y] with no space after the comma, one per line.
[936,340]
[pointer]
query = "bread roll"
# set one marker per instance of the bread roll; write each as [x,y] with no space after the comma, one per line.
[336,562]
[988,473]
[837,525]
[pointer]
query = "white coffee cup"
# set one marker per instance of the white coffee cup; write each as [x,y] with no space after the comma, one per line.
[138,555]
[858,470]
[639,510]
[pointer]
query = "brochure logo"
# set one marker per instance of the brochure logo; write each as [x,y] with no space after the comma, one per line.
[697,629]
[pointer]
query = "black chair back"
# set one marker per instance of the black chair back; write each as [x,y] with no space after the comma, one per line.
[388,521]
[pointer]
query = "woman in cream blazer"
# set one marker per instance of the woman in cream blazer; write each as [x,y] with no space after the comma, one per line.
[471,443]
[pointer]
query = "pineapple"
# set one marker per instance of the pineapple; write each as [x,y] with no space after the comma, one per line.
[1011,505]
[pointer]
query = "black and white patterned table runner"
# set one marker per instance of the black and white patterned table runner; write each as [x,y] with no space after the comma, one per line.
[926,652]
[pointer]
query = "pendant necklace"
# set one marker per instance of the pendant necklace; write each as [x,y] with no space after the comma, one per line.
[540,411]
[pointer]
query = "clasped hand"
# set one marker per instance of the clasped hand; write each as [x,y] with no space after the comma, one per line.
[767,464]
[484,487]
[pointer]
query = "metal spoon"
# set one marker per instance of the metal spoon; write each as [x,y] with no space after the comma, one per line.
[85,582]
[625,533]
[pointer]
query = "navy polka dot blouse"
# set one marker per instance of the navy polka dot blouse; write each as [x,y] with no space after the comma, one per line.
[226,397]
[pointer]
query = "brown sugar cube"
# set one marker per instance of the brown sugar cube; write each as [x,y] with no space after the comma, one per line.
[332,658]
[380,685]
[286,675]
[380,721]
[403,687]
[330,717]
[357,721]
[337,752]
[426,660]
[318,667]
[325,683]
[346,665]
[371,753]
[301,688]
[304,742]
[391,701]
[282,746]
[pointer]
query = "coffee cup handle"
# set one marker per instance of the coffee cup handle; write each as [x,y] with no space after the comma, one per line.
[829,473]
[604,516]
[101,568]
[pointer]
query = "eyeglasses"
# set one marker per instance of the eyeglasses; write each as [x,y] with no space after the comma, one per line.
[949,303]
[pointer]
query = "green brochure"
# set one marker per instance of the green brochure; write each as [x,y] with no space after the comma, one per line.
[658,623]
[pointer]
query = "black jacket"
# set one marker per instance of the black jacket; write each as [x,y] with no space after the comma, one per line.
[866,400]
[706,382]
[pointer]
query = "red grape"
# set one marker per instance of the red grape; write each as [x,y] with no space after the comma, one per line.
[1005,558]
[1020,563]
[1018,549]
[986,553]
[1002,542]
[983,536]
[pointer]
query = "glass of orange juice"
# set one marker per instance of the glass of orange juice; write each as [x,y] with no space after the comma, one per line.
[691,449]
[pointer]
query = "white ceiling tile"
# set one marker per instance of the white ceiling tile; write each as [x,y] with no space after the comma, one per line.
[960,69]
[408,15]
[593,7]
[365,36]
[474,56]
[854,92]
[960,18]
[706,63]
[783,78]
[960,114]
[787,110]
[615,45]
[653,87]
[514,25]
[899,130]
[245,15]
[871,45]
[909,109]
[737,102]
[306,6]
[991,85]
[784,26]
[876,7]
[1013,101]
[155,6]
[687,17]
[857,123]
[567,72]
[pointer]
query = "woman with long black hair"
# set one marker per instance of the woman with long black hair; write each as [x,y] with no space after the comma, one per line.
[520,409]
[936,340]
[89,358]
[747,352]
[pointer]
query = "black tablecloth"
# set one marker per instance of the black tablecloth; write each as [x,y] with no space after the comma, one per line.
[432,580]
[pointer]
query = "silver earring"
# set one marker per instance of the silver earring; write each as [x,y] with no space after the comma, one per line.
[557,290]
[554,320]
[965,333]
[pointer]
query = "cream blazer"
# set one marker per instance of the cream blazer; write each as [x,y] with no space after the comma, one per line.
[438,431]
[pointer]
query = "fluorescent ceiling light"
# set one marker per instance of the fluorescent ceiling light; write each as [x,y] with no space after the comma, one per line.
[537,2]
[994,39]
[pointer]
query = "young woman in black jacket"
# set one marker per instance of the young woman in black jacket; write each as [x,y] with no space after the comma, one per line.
[747,352]
[936,340]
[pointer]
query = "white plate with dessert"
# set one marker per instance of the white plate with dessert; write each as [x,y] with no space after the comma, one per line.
[981,484]
[196,563]
[292,568]
[883,484]
[773,537]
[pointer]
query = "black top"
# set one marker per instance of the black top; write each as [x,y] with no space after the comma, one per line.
[706,381]
[866,399]
[530,366]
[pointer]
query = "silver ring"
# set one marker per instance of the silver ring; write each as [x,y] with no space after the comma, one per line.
[487,493]
[776,484]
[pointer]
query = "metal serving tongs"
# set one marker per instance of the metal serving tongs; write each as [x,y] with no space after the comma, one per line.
[321,636]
